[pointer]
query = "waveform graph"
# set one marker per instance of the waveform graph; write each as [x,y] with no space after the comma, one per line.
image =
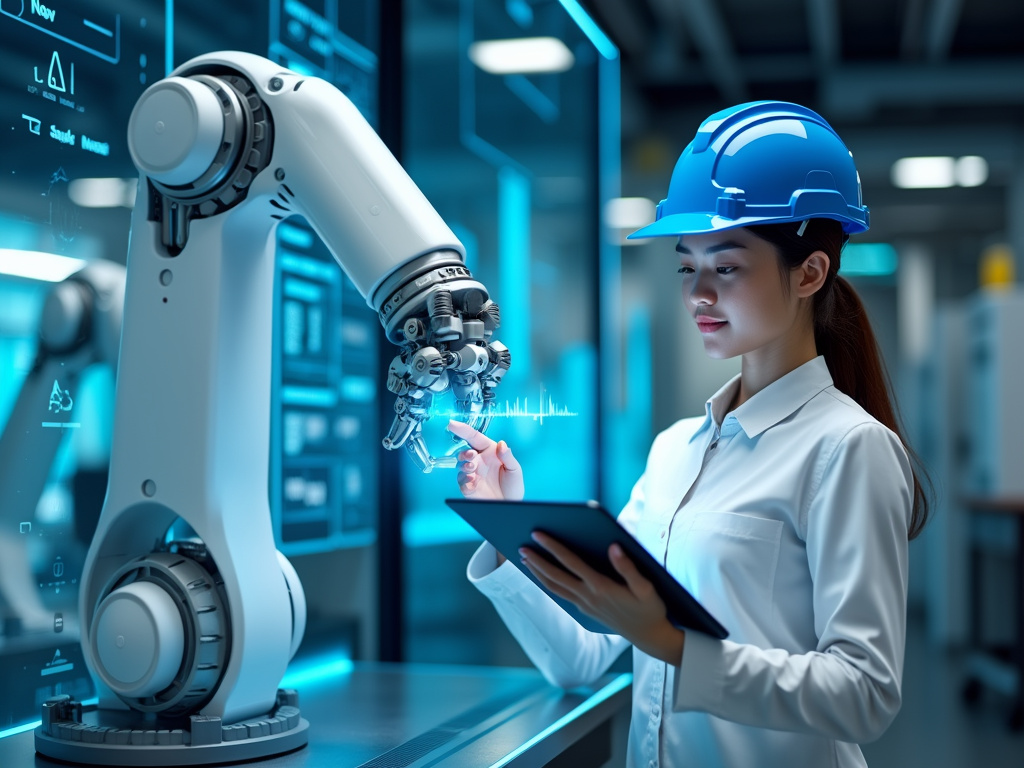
[545,408]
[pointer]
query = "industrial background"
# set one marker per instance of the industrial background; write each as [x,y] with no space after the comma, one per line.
[541,175]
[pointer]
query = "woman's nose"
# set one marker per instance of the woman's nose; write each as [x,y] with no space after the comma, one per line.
[700,291]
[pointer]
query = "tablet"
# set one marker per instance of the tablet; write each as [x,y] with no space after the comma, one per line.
[588,529]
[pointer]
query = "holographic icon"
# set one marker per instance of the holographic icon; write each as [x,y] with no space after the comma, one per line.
[25,527]
[33,123]
[58,568]
[56,665]
[55,75]
[60,400]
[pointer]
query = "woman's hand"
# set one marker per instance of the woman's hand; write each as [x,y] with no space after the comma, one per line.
[487,470]
[633,610]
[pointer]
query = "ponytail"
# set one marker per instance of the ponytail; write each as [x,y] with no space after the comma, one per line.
[843,335]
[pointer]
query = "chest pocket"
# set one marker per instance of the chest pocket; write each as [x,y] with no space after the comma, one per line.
[728,561]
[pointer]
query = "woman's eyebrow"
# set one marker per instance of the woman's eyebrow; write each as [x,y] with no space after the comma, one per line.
[728,245]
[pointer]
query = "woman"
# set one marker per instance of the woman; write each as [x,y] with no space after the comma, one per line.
[786,509]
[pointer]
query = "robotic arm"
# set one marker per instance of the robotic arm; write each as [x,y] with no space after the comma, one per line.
[197,625]
[396,249]
[327,164]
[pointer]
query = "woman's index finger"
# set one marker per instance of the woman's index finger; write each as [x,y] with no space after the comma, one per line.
[477,440]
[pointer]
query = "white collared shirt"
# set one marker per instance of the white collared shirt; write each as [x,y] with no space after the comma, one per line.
[787,519]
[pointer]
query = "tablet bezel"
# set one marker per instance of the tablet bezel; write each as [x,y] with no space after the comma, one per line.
[588,529]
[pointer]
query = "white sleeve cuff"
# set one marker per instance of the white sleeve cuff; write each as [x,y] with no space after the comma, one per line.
[483,562]
[700,679]
[490,578]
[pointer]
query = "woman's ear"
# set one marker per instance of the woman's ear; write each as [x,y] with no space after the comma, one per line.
[810,276]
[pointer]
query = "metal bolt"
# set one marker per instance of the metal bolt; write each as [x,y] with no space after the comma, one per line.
[279,174]
[276,83]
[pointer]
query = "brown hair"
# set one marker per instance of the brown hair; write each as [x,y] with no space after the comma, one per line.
[843,335]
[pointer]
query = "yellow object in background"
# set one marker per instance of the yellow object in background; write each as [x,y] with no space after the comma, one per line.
[996,268]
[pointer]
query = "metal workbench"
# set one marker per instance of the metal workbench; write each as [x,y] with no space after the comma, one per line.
[414,715]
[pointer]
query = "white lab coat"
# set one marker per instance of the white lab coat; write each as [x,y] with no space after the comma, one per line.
[788,521]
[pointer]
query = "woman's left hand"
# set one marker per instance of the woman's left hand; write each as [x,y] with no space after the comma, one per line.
[633,610]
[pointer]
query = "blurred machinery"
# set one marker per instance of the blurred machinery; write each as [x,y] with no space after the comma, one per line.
[80,325]
[995,415]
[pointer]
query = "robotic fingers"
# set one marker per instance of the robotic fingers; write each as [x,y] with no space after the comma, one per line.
[449,349]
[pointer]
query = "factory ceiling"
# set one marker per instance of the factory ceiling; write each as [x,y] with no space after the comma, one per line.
[895,77]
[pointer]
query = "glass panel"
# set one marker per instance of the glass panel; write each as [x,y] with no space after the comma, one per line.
[325,437]
[65,202]
[516,164]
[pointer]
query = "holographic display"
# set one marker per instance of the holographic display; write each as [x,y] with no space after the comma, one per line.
[324,434]
[70,74]
[545,408]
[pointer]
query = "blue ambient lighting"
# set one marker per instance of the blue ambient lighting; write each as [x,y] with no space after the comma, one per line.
[295,236]
[36,723]
[360,389]
[20,729]
[514,265]
[607,692]
[520,11]
[303,291]
[612,403]
[868,260]
[424,528]
[168,37]
[312,396]
[307,267]
[589,28]
[320,670]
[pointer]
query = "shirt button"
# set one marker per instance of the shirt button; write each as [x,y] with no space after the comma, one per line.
[663,534]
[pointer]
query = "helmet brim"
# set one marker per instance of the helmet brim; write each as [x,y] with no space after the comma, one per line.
[677,224]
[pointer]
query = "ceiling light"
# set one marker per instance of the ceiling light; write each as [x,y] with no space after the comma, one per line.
[971,171]
[623,215]
[939,172]
[521,56]
[629,212]
[923,172]
[38,265]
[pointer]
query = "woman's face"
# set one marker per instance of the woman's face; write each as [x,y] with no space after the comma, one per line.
[734,290]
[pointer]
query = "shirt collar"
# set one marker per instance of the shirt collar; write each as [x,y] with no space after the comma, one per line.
[778,400]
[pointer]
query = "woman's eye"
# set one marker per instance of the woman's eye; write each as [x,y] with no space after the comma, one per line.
[725,270]
[686,270]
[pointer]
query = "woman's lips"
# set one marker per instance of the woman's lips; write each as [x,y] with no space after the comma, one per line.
[709,324]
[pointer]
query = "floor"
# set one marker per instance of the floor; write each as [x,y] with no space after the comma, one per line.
[935,728]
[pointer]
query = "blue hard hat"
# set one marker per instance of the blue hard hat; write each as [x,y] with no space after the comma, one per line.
[764,162]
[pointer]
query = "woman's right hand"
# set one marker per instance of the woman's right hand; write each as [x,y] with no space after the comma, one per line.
[487,470]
